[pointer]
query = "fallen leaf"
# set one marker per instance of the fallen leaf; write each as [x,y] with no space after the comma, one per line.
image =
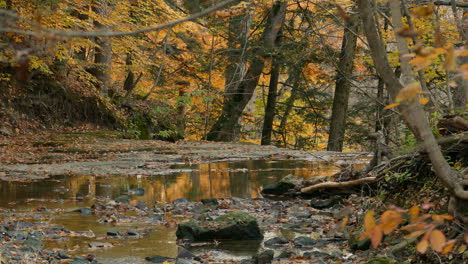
[437,239]
[422,246]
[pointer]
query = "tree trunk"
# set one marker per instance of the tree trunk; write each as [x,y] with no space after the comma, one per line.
[343,86]
[413,113]
[102,51]
[271,103]
[236,101]
[460,92]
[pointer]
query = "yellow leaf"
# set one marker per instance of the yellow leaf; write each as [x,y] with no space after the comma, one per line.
[437,239]
[423,100]
[390,220]
[422,246]
[409,92]
[376,236]
[369,221]
[441,218]
[391,106]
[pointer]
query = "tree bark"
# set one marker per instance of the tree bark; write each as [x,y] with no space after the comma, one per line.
[102,51]
[271,103]
[412,112]
[343,86]
[235,102]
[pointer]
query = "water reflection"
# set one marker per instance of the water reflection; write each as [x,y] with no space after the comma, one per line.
[243,179]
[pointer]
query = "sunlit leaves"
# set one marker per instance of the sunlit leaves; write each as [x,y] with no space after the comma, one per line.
[390,220]
[423,226]
[409,93]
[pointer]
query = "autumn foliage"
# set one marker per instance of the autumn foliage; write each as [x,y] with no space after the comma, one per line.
[413,225]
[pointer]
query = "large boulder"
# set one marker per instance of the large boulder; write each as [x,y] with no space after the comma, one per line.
[235,225]
[284,185]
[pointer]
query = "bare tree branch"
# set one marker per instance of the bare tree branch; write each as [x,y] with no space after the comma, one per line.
[87,34]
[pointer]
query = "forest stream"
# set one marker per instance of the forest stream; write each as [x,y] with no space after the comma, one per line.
[127,217]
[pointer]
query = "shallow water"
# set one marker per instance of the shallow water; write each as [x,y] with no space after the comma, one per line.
[243,179]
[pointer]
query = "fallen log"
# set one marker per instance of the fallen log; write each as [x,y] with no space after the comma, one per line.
[335,185]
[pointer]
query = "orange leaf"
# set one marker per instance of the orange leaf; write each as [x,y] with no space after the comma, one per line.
[414,213]
[415,234]
[422,246]
[409,92]
[369,221]
[423,11]
[441,218]
[376,236]
[344,222]
[448,247]
[437,239]
[341,12]
[423,100]
[391,106]
[390,220]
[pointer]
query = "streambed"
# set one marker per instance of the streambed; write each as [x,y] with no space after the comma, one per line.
[47,198]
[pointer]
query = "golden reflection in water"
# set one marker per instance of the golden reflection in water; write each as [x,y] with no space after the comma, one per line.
[235,179]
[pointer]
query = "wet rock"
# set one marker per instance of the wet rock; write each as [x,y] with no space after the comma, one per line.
[184,253]
[200,209]
[133,233]
[235,225]
[84,211]
[301,215]
[63,255]
[137,191]
[315,254]
[36,234]
[283,186]
[79,260]
[276,242]
[210,201]
[383,261]
[158,211]
[303,241]
[95,245]
[180,201]
[79,196]
[123,199]
[33,243]
[286,254]
[157,259]
[16,234]
[183,261]
[264,257]
[324,203]
[112,233]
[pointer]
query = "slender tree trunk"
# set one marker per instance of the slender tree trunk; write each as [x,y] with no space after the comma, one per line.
[271,103]
[228,123]
[413,113]
[102,52]
[460,92]
[343,85]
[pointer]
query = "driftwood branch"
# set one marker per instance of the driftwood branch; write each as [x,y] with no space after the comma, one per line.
[335,185]
[7,14]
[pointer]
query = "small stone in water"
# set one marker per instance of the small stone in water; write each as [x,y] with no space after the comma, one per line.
[113,233]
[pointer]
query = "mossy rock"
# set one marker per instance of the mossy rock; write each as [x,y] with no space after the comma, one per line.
[235,226]
[283,186]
